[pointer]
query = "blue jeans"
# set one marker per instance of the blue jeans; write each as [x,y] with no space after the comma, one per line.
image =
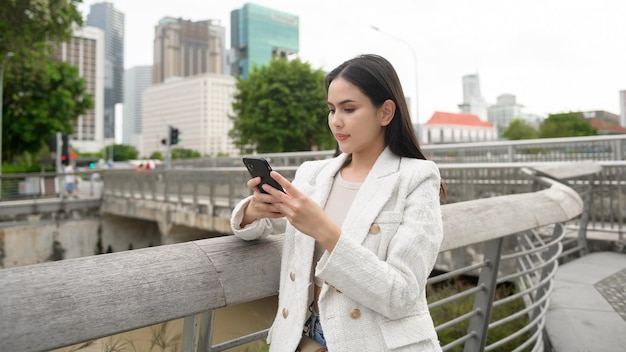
[315,327]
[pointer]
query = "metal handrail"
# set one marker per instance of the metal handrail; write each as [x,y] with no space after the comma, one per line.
[197,277]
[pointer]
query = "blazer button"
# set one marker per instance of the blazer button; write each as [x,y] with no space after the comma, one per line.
[285,313]
[375,229]
[355,314]
[292,276]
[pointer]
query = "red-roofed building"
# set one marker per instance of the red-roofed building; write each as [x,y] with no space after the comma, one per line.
[447,127]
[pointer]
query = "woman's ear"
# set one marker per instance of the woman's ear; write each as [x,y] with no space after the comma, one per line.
[388,111]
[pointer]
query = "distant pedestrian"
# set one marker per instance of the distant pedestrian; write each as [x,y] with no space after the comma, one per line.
[71,182]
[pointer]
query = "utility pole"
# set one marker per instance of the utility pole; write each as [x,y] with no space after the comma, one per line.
[168,153]
[58,168]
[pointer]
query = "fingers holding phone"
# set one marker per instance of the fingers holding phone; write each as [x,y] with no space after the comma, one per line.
[259,167]
[262,204]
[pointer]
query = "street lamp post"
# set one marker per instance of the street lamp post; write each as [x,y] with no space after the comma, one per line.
[4,63]
[416,113]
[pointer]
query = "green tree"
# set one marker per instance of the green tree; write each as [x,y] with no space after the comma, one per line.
[569,124]
[520,129]
[281,107]
[122,152]
[182,153]
[156,156]
[38,102]
[40,96]
[31,25]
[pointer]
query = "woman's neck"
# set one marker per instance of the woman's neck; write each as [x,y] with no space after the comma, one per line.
[361,164]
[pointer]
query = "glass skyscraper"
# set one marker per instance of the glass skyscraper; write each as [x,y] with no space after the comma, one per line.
[258,34]
[104,16]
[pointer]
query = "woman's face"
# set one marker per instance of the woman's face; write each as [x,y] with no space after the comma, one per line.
[358,126]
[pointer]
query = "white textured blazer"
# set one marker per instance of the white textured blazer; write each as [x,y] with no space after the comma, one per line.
[374,295]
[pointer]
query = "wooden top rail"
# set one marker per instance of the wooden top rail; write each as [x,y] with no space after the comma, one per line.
[56,304]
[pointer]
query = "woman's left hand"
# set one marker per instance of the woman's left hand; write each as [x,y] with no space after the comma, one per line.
[303,213]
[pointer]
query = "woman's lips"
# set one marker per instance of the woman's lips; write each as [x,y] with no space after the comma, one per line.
[341,137]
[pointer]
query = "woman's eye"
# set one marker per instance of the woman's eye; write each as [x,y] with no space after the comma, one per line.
[331,111]
[348,110]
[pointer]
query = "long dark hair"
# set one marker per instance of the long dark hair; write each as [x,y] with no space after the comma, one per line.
[378,80]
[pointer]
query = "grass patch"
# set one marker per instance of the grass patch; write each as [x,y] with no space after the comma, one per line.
[464,305]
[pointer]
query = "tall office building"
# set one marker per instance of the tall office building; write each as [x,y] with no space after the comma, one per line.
[504,111]
[86,51]
[104,16]
[258,34]
[198,106]
[473,101]
[136,81]
[184,48]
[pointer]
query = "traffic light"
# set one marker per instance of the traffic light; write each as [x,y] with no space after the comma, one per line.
[174,135]
[65,151]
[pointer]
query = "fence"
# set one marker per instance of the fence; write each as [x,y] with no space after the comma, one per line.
[597,148]
[93,297]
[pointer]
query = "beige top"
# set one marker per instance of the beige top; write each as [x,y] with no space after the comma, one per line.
[339,201]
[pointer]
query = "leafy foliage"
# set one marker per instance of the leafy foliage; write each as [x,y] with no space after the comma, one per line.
[156,156]
[281,108]
[41,96]
[182,153]
[28,23]
[520,129]
[122,152]
[570,124]
[39,101]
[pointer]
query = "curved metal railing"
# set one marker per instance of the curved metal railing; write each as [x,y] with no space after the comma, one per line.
[98,296]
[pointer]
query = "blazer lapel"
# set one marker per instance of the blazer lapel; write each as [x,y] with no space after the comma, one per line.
[318,192]
[377,188]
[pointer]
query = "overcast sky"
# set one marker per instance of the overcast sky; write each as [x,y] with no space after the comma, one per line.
[554,55]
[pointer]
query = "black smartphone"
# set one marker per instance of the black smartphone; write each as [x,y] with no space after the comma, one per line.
[259,167]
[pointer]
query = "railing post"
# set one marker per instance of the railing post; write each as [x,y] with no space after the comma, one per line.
[196,181]
[584,218]
[511,150]
[483,301]
[205,337]
[188,339]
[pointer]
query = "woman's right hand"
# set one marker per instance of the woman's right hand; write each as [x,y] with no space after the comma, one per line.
[260,205]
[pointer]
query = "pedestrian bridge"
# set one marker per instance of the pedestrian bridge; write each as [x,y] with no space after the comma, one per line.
[521,218]
[103,295]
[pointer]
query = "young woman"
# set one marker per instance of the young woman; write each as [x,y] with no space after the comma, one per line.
[362,230]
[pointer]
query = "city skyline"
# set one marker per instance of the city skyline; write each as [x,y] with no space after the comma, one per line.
[554,56]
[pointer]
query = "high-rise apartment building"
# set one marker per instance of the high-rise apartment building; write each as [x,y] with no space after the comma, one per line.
[258,34]
[473,101]
[185,48]
[504,111]
[198,106]
[86,51]
[136,81]
[110,20]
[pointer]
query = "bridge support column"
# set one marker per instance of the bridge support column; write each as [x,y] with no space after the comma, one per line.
[120,233]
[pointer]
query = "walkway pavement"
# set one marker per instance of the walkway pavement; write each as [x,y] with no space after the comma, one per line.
[588,305]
